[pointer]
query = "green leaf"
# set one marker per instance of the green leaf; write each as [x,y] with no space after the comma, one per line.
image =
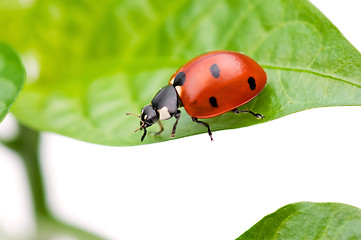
[99,61]
[307,220]
[12,76]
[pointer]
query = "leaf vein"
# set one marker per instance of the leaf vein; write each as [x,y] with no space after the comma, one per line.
[311,72]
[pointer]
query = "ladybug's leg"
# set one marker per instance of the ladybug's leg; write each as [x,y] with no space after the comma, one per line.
[257,115]
[204,124]
[143,136]
[161,128]
[177,116]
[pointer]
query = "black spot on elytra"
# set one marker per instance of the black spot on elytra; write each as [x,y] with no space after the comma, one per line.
[215,70]
[213,101]
[179,79]
[252,83]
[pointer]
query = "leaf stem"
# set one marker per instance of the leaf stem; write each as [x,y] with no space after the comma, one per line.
[27,146]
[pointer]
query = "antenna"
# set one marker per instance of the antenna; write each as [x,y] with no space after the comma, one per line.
[135,115]
[141,126]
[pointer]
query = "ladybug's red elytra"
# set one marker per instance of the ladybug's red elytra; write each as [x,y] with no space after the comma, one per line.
[207,86]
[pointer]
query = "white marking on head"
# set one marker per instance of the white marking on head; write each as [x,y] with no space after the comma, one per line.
[164,113]
[171,81]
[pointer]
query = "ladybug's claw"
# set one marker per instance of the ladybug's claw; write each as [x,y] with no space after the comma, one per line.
[177,116]
[257,115]
[204,124]
[161,128]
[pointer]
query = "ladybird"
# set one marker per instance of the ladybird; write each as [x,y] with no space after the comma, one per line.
[207,86]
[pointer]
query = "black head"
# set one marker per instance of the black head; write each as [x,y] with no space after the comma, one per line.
[148,117]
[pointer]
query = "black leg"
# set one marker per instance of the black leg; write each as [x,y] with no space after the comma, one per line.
[204,124]
[143,136]
[257,115]
[161,128]
[177,116]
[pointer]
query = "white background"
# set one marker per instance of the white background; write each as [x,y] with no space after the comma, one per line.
[192,188]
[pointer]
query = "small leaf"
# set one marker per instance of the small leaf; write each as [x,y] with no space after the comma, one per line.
[12,76]
[307,220]
[99,61]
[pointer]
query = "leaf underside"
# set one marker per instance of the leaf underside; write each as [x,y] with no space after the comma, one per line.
[307,220]
[95,69]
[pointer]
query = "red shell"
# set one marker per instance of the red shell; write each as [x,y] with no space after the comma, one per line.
[232,85]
